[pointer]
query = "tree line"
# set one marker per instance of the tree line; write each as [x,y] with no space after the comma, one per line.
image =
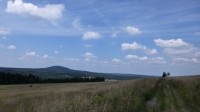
[8,78]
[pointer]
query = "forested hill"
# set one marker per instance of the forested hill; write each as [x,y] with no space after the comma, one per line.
[63,72]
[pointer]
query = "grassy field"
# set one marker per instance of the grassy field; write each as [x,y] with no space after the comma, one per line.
[153,94]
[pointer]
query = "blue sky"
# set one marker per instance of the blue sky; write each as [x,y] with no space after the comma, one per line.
[130,36]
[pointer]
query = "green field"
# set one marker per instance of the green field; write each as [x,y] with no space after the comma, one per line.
[178,94]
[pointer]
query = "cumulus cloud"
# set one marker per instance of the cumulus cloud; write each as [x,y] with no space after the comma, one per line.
[177,47]
[197,34]
[91,35]
[153,51]
[136,57]
[144,59]
[4,31]
[28,54]
[45,56]
[89,55]
[131,56]
[132,30]
[171,43]
[73,59]
[11,47]
[133,46]
[180,59]
[31,54]
[195,60]
[103,62]
[180,51]
[49,11]
[157,60]
[136,46]
[116,60]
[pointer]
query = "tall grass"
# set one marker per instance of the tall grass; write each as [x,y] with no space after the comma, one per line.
[189,90]
[120,96]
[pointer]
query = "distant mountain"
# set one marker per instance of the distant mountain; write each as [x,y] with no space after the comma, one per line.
[59,69]
[62,72]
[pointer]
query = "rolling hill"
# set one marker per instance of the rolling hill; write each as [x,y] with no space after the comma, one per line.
[62,72]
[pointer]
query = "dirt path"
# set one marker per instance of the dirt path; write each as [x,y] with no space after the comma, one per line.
[166,99]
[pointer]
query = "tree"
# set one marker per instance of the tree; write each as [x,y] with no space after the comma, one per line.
[168,74]
[164,74]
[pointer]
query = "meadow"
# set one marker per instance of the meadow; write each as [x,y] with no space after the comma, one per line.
[141,95]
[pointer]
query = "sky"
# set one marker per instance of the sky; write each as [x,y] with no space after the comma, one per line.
[144,37]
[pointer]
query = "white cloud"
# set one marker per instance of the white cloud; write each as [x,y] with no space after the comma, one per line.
[133,46]
[104,62]
[91,35]
[48,11]
[56,52]
[132,30]
[152,52]
[28,54]
[131,57]
[73,59]
[31,54]
[136,46]
[45,56]
[180,51]
[180,59]
[146,60]
[116,60]
[136,57]
[11,47]
[143,58]
[76,23]
[157,60]
[178,47]
[89,55]
[4,38]
[88,45]
[4,31]
[171,43]
[197,34]
[195,60]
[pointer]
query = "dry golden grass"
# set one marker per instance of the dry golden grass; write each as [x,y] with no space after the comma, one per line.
[114,96]
[75,97]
